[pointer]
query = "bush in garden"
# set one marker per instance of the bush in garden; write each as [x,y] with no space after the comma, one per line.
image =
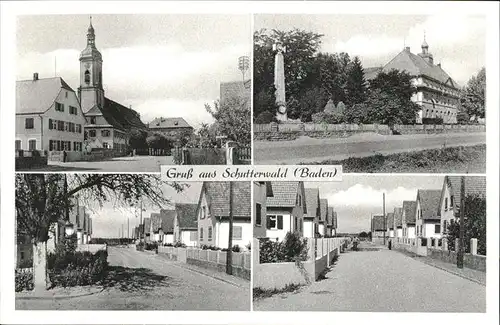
[140,246]
[151,246]
[292,249]
[179,244]
[265,117]
[236,249]
[249,246]
[24,280]
[79,268]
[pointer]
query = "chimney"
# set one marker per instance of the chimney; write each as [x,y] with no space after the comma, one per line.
[35,76]
[407,49]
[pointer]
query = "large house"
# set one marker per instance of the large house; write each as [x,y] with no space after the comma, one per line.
[408,219]
[185,224]
[169,126]
[48,116]
[261,191]
[312,216]
[285,210]
[213,213]
[449,201]
[108,123]
[427,223]
[437,93]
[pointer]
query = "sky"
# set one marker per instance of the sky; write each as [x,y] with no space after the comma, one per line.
[457,42]
[108,221]
[161,65]
[357,197]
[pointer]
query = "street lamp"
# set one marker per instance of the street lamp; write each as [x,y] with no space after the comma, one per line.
[69,229]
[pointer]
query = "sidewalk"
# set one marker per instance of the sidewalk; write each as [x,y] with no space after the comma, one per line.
[221,276]
[60,293]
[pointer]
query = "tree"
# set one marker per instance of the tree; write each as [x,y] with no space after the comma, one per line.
[232,119]
[355,84]
[389,99]
[474,224]
[363,234]
[473,95]
[39,198]
[265,117]
[138,139]
[158,141]
[357,114]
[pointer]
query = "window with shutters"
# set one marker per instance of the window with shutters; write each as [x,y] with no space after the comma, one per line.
[29,123]
[451,201]
[18,145]
[237,232]
[105,133]
[92,133]
[445,204]
[71,127]
[274,222]
[73,110]
[258,214]
[93,120]
[59,107]
[201,233]
[445,226]
[32,144]
[437,229]
[210,233]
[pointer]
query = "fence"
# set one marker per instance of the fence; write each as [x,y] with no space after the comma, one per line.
[93,248]
[242,155]
[439,249]
[211,156]
[273,130]
[152,152]
[321,252]
[209,259]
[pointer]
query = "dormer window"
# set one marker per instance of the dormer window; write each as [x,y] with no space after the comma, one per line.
[87,76]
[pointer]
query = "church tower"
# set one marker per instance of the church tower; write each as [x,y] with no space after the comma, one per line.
[90,92]
[425,53]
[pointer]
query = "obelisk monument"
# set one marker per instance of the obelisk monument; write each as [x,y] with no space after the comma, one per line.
[279,81]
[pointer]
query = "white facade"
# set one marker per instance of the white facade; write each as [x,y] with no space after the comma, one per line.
[429,230]
[274,232]
[309,226]
[321,229]
[188,237]
[168,239]
[239,227]
[446,209]
[399,233]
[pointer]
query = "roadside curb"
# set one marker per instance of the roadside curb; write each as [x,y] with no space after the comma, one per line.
[454,273]
[59,296]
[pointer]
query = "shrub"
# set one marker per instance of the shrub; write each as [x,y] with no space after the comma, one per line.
[292,249]
[78,268]
[151,246]
[140,246]
[249,246]
[236,249]
[179,244]
[264,118]
[24,280]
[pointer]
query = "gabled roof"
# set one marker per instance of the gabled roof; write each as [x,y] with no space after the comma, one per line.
[415,65]
[155,222]
[120,116]
[372,72]
[217,194]
[168,123]
[409,209]
[398,216]
[312,201]
[378,223]
[37,96]
[147,225]
[284,194]
[323,207]
[429,203]
[330,216]
[335,220]
[167,220]
[186,215]
[390,220]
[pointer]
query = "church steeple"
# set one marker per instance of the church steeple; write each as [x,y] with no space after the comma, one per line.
[425,52]
[91,90]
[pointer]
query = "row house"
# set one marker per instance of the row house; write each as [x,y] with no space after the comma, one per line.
[322,222]
[213,213]
[390,224]
[378,226]
[427,220]
[285,210]
[185,224]
[162,226]
[311,218]
[408,219]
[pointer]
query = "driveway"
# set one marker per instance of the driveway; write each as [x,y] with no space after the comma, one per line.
[146,281]
[309,150]
[382,281]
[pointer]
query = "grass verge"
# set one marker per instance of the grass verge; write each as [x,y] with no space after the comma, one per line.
[465,159]
[259,293]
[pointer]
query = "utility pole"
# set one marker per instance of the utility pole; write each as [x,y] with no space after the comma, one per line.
[141,226]
[128,228]
[229,260]
[460,255]
[383,207]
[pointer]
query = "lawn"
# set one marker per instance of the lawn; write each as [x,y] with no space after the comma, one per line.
[469,159]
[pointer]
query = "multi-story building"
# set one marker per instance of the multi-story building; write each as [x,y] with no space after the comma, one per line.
[285,210]
[312,216]
[436,92]
[427,221]
[48,116]
[169,126]
[108,123]
[213,213]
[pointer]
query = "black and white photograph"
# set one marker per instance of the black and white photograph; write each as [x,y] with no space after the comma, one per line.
[131,242]
[128,93]
[373,93]
[371,244]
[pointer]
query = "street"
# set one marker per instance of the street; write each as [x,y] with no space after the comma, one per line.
[145,164]
[310,150]
[381,280]
[146,281]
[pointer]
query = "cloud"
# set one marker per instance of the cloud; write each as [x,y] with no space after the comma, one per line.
[362,196]
[453,39]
